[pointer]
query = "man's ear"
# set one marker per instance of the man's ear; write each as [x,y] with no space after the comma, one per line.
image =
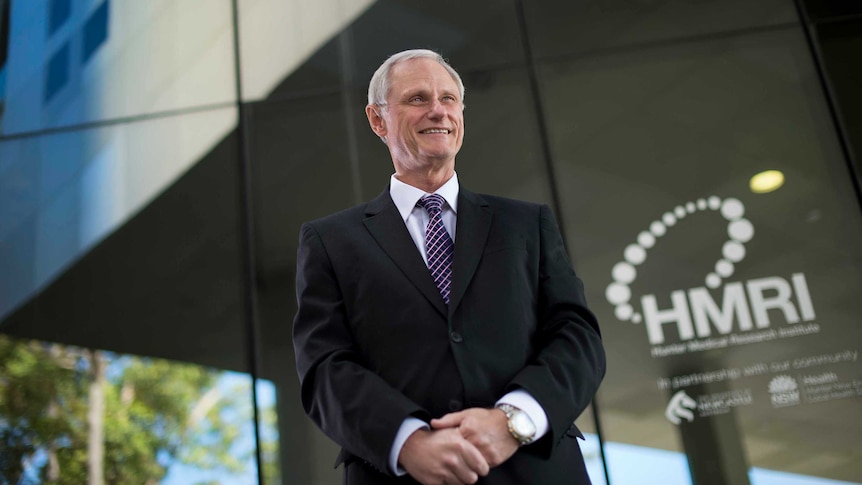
[375,119]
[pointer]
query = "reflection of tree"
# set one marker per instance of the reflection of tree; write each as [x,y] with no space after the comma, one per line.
[84,416]
[269,444]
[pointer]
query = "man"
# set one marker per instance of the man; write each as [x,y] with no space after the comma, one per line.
[441,335]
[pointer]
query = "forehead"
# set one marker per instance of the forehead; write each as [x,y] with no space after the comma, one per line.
[421,73]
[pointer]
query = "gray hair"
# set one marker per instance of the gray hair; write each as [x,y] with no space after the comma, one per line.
[380,84]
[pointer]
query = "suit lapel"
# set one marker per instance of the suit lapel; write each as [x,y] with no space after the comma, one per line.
[386,226]
[474,223]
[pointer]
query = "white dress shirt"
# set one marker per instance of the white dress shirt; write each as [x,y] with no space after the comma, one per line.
[416,219]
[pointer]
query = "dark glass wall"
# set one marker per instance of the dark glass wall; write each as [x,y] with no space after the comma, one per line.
[158,158]
[834,31]
[713,299]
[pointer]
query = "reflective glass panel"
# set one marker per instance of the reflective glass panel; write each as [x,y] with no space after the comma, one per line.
[584,27]
[123,328]
[70,414]
[65,192]
[109,59]
[291,48]
[301,170]
[728,309]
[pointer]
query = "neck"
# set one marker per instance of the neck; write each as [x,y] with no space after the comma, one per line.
[428,180]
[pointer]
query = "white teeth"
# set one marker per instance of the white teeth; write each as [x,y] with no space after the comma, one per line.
[435,131]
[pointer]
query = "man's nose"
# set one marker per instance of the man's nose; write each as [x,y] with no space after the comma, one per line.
[436,109]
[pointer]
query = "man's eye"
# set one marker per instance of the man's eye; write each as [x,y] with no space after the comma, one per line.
[416,99]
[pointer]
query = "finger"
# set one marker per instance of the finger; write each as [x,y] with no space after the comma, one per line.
[465,475]
[450,420]
[474,459]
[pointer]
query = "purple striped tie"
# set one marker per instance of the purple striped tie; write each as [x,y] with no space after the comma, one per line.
[438,245]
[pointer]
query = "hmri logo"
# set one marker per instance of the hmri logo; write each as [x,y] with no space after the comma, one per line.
[693,313]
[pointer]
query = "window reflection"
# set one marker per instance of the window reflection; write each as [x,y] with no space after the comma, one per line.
[68,413]
[72,63]
[641,140]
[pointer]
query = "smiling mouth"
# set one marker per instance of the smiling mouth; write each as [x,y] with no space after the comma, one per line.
[435,131]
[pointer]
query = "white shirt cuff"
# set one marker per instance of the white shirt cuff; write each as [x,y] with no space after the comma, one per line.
[522,400]
[408,427]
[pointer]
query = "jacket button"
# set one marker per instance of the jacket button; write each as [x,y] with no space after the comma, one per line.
[454,405]
[456,337]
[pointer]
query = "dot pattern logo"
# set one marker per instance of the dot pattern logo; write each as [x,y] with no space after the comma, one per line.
[739,231]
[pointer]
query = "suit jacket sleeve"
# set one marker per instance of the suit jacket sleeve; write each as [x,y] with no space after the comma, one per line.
[352,405]
[569,361]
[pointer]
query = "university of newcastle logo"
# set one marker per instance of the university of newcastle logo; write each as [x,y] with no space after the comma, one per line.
[693,319]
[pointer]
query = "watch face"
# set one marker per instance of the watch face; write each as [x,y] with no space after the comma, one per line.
[522,425]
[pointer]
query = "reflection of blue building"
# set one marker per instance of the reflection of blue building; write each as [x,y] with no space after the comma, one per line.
[71,186]
[43,67]
[158,156]
[152,84]
[4,52]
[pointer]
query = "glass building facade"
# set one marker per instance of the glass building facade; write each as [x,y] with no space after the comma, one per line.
[158,157]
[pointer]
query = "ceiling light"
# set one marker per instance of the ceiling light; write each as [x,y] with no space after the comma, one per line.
[767,181]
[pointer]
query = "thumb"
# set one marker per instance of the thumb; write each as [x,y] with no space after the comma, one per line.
[451,420]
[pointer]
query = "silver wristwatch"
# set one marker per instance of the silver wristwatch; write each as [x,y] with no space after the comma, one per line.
[520,425]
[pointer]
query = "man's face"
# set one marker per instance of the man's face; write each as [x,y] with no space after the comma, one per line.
[423,122]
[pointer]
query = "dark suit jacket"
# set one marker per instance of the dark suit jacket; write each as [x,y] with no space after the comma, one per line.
[375,343]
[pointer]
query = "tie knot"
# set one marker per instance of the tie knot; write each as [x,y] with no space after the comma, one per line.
[432,203]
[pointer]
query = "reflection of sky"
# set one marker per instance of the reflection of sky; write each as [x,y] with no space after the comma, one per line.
[639,465]
[230,383]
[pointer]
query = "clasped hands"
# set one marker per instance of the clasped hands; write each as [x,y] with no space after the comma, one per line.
[459,448]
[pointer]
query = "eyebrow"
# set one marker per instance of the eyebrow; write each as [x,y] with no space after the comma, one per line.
[426,93]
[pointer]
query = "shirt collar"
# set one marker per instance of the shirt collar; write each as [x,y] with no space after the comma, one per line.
[405,196]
